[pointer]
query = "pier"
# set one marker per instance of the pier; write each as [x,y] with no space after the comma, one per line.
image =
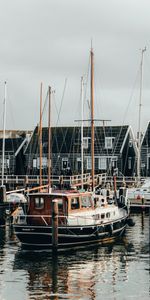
[23,181]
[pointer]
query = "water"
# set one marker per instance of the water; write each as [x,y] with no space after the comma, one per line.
[119,271]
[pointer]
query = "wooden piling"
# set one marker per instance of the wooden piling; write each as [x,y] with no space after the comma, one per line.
[55,225]
[2,193]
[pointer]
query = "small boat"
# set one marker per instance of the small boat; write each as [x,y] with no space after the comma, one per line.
[139,197]
[83,218]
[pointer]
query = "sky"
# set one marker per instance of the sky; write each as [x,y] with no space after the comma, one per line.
[49,41]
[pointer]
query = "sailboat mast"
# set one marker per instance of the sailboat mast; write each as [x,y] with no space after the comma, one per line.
[49,138]
[40,135]
[4,129]
[92,118]
[82,164]
[139,119]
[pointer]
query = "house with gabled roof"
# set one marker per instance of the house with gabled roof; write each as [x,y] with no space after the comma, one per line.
[15,141]
[145,153]
[115,148]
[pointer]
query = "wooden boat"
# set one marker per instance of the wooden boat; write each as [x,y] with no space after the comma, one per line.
[81,219]
[69,219]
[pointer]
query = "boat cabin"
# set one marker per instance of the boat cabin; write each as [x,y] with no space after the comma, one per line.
[69,202]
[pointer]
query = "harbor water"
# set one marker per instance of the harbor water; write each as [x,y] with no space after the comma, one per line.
[118,271]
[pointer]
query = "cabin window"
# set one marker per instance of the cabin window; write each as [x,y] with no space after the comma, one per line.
[102,216]
[86,202]
[108,215]
[39,202]
[75,203]
[60,203]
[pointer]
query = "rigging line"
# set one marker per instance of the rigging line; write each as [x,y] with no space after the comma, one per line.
[62,99]
[126,112]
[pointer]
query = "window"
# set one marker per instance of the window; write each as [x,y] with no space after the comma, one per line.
[44,162]
[89,163]
[86,202]
[102,216]
[75,203]
[64,163]
[129,163]
[85,143]
[130,143]
[39,202]
[108,215]
[34,162]
[102,163]
[108,142]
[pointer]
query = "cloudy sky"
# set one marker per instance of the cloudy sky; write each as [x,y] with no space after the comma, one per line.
[49,41]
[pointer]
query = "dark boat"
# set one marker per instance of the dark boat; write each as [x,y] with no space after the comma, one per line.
[83,218]
[61,220]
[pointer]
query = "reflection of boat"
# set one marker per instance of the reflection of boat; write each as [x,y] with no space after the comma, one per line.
[78,275]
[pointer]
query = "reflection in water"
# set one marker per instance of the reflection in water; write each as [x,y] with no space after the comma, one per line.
[117,271]
[78,275]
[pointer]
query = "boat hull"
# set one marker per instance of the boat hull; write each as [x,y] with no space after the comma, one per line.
[40,237]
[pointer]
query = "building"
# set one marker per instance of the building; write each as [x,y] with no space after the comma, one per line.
[15,142]
[145,153]
[115,148]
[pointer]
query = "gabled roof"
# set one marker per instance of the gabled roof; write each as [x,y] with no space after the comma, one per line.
[68,139]
[11,144]
[146,137]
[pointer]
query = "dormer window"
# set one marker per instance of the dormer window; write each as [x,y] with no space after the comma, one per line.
[109,142]
[85,143]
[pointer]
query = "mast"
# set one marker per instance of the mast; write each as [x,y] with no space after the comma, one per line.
[4,129]
[82,163]
[40,134]
[92,117]
[49,139]
[139,119]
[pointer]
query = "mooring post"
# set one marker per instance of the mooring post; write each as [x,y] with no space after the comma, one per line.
[55,225]
[2,193]
[2,205]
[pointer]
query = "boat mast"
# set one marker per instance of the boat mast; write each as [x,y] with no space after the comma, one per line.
[92,117]
[82,163]
[4,129]
[40,135]
[139,119]
[49,139]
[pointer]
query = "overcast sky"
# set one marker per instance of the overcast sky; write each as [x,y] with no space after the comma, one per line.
[49,41]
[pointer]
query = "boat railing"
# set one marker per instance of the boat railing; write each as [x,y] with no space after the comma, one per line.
[46,220]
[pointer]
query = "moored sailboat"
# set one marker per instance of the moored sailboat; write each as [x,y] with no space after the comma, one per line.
[67,219]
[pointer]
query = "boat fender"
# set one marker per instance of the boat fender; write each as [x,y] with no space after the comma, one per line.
[130,222]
